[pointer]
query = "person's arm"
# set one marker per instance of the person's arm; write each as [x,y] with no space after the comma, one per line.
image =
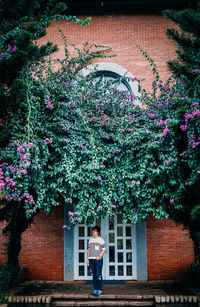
[101,254]
[103,247]
[88,255]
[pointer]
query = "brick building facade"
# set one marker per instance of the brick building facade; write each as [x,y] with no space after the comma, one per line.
[159,249]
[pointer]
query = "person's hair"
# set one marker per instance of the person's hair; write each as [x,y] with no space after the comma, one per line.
[97,228]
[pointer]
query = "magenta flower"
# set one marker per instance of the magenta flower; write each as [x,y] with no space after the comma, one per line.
[159,123]
[151,115]
[47,140]
[183,127]
[50,105]
[171,201]
[99,177]
[165,131]
[100,208]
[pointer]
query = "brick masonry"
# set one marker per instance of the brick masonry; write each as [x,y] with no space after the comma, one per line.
[122,34]
[169,248]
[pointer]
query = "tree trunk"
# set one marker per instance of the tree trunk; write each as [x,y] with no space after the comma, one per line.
[17,225]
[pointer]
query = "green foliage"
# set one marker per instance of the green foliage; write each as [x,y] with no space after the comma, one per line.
[90,146]
[185,128]
[5,278]
[187,63]
[21,24]
[194,274]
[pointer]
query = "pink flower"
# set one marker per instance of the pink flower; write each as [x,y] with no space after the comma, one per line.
[183,127]
[159,123]
[171,201]
[79,220]
[113,206]
[165,131]
[100,208]
[49,104]
[99,177]
[47,140]
[151,115]
[2,184]
[64,226]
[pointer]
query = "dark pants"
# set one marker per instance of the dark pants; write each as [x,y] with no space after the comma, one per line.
[96,268]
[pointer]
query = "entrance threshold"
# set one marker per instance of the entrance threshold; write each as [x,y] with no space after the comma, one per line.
[112,282]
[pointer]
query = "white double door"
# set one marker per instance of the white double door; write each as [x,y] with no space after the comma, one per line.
[119,260]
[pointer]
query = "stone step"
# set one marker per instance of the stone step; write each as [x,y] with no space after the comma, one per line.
[86,296]
[103,303]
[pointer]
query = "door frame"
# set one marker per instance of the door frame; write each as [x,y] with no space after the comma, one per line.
[105,236]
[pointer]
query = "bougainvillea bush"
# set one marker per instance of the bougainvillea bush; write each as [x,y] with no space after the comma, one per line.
[88,145]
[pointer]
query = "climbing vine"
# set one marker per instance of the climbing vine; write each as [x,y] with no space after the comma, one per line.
[88,145]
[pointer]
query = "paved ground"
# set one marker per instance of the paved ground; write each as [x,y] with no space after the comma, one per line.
[137,288]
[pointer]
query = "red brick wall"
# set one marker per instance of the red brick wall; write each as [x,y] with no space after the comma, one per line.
[42,247]
[122,34]
[169,249]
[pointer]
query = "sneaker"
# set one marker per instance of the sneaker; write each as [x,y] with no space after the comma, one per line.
[99,292]
[94,292]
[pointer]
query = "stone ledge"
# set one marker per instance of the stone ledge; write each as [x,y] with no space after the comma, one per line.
[160,299]
[29,299]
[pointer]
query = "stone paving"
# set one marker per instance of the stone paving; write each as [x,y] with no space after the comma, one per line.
[45,291]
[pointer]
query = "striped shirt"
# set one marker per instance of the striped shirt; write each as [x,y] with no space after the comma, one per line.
[96,245]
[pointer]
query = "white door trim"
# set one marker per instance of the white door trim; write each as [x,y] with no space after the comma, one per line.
[105,234]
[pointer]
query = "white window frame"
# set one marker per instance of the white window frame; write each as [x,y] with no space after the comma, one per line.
[116,69]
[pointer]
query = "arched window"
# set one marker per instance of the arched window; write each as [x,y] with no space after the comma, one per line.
[111,72]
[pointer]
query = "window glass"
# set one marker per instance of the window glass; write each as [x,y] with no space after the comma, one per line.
[111,77]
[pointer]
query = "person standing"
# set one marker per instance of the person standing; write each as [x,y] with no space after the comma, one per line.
[96,250]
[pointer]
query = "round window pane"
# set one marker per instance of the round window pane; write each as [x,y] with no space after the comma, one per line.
[112,78]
